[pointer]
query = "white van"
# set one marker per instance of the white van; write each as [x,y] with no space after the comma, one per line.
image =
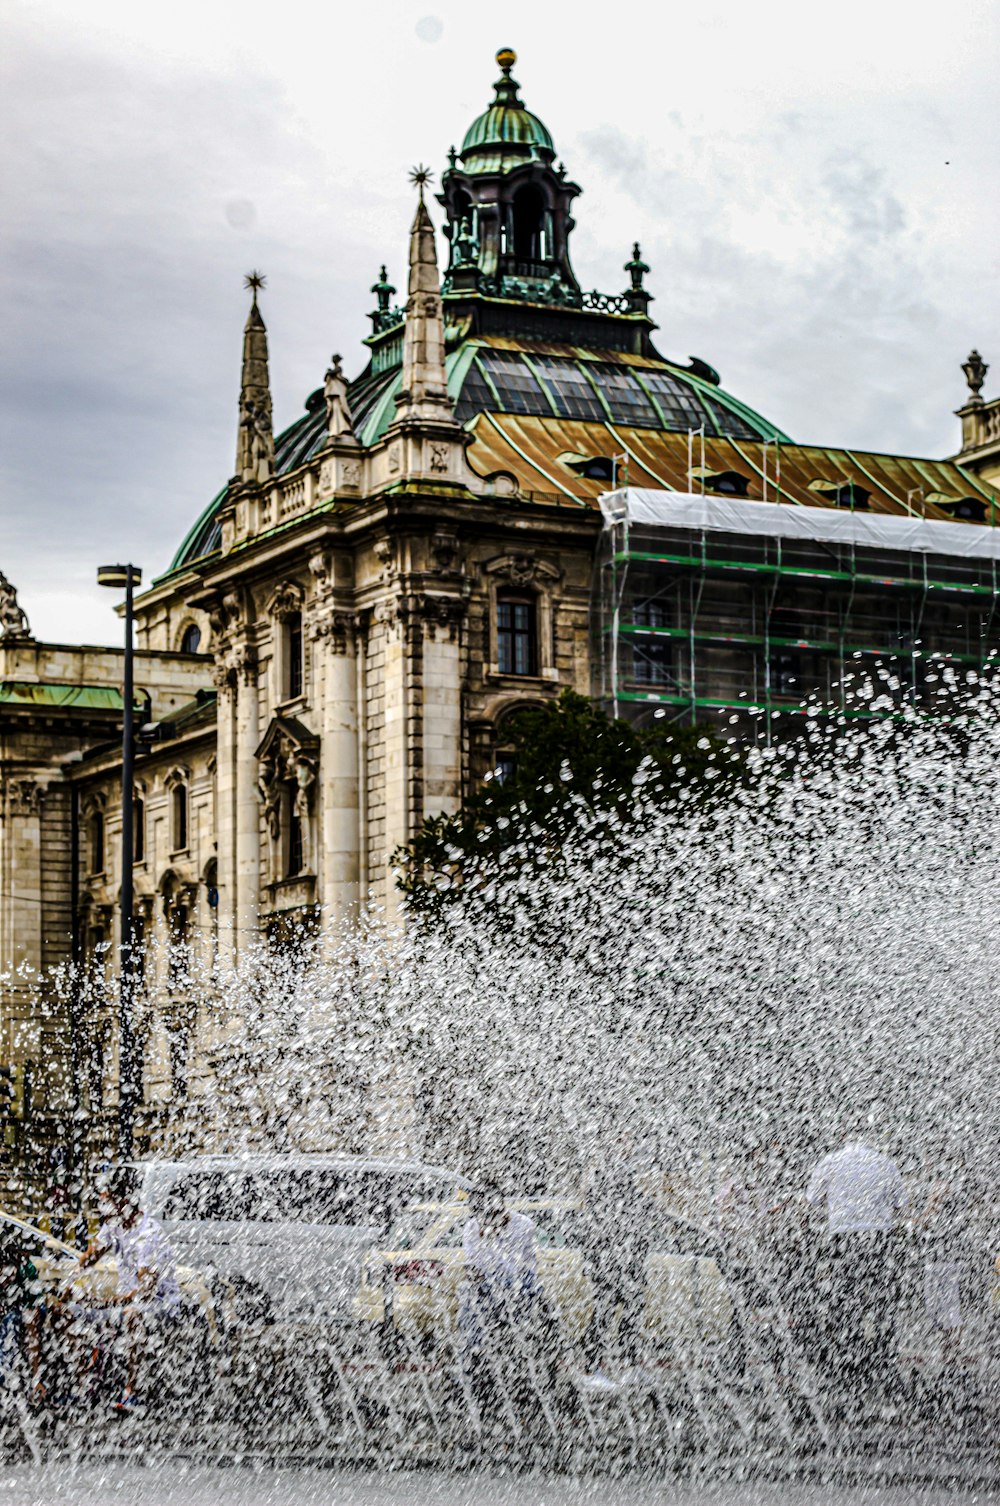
[291,1230]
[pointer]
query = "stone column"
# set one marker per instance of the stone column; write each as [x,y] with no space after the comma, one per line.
[20,873]
[225,813]
[337,864]
[248,815]
[398,739]
[442,706]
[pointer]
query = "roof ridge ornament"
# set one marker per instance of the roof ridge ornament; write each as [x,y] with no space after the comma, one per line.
[975,369]
[255,281]
[421,177]
[506,87]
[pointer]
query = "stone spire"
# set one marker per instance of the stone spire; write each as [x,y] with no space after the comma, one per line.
[255,445]
[424,394]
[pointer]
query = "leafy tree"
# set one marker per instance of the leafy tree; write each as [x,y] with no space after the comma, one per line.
[570,759]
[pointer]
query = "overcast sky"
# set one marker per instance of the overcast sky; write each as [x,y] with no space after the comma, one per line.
[815,188]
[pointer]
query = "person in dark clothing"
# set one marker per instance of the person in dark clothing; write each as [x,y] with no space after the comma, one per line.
[20,1310]
[614,1230]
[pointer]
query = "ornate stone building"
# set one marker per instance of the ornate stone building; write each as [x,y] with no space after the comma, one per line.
[334,650]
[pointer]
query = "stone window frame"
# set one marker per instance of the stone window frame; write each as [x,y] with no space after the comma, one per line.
[187,624]
[140,823]
[286,602]
[525,574]
[178,779]
[94,808]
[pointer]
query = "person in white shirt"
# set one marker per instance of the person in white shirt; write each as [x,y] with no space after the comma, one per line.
[865,1202]
[862,1189]
[499,1248]
[148,1290]
[499,1294]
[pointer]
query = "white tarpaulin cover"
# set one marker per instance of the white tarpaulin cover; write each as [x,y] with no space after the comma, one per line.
[649,508]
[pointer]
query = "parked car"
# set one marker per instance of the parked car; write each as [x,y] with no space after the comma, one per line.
[288,1232]
[421,1268]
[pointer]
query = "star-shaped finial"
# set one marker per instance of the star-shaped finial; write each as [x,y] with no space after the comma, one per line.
[420,177]
[255,281]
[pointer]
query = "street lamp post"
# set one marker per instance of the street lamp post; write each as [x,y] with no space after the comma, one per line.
[129,1077]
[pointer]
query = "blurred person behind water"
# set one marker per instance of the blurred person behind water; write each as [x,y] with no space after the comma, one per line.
[615,1234]
[148,1291]
[862,1195]
[947,1230]
[21,1305]
[501,1267]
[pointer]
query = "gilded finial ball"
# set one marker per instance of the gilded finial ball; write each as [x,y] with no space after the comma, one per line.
[506,58]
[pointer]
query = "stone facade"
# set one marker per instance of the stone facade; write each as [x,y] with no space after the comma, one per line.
[334,653]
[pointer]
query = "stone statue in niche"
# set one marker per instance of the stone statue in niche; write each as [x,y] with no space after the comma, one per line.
[269,789]
[304,770]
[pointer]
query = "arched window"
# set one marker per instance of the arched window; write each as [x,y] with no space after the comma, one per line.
[138,829]
[517,633]
[179,817]
[191,639]
[529,227]
[97,842]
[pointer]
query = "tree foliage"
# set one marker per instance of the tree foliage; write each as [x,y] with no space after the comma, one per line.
[569,757]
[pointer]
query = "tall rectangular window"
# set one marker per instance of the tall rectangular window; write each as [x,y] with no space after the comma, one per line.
[296,850]
[138,830]
[97,842]
[516,635]
[293,656]
[180,817]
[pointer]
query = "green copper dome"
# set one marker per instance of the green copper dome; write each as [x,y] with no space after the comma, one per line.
[506,130]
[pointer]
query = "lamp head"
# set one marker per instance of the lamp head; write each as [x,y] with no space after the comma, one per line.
[119,576]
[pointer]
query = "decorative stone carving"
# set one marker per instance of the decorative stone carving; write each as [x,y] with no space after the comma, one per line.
[223,676]
[385,553]
[444,548]
[438,452]
[13,619]
[337,629]
[269,790]
[327,479]
[286,600]
[23,796]
[974,370]
[444,613]
[523,569]
[351,475]
[245,663]
[395,458]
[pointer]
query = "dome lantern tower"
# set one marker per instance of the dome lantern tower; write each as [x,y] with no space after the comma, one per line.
[507,205]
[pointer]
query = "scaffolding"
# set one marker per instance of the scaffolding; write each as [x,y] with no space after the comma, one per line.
[715,608]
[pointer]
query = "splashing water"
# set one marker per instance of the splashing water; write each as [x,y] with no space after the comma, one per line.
[699,999]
